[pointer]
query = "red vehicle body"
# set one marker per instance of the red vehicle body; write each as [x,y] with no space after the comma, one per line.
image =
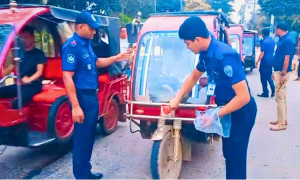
[249,49]
[236,36]
[48,117]
[161,65]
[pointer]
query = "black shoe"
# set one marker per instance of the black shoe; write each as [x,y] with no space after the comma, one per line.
[273,94]
[263,95]
[95,176]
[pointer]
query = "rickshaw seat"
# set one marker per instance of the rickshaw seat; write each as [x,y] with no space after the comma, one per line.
[103,78]
[53,69]
[49,94]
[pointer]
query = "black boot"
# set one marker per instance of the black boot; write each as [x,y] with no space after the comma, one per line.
[263,95]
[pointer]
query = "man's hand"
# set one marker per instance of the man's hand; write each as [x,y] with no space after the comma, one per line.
[174,103]
[77,114]
[123,56]
[209,116]
[282,79]
[256,64]
[26,80]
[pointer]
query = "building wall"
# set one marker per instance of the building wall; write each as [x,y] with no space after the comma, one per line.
[251,7]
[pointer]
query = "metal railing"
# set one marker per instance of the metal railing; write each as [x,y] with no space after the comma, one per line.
[132,115]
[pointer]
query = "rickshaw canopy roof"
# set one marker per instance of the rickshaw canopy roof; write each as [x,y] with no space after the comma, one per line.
[200,13]
[172,21]
[25,12]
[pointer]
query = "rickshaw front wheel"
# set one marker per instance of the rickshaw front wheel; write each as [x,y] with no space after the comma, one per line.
[163,165]
[109,122]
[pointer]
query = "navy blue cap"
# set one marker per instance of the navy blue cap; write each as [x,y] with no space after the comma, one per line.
[87,18]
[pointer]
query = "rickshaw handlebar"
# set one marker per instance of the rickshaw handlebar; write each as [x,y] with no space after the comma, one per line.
[167,104]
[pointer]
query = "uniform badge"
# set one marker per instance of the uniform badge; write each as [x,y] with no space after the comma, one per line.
[73,43]
[71,58]
[89,66]
[228,70]
[86,55]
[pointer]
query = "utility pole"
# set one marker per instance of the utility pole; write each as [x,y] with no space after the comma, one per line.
[181,5]
[253,14]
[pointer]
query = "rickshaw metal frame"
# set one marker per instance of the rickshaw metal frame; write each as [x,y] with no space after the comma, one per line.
[113,87]
[169,124]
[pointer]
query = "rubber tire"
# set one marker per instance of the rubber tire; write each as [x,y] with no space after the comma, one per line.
[251,69]
[104,129]
[51,120]
[155,159]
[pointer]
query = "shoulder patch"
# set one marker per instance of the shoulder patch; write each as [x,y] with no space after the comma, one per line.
[73,43]
[228,70]
[71,58]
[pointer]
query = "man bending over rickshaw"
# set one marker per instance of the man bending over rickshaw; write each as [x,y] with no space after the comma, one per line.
[31,71]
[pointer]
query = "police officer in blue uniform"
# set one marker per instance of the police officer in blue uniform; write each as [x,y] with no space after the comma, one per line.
[265,60]
[224,66]
[79,64]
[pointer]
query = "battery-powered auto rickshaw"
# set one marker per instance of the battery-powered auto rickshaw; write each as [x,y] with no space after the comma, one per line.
[236,37]
[48,119]
[160,67]
[249,49]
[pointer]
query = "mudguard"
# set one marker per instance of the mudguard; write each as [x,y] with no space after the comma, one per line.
[161,132]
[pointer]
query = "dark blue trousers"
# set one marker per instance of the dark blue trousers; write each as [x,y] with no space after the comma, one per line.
[265,78]
[235,147]
[84,134]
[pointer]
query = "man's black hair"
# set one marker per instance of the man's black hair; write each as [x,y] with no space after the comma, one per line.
[266,32]
[122,27]
[283,26]
[28,29]
[193,27]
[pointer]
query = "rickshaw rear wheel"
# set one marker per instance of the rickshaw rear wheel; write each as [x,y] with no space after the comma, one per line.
[109,122]
[60,122]
[162,159]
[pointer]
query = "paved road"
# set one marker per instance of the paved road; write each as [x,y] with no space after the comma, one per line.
[272,155]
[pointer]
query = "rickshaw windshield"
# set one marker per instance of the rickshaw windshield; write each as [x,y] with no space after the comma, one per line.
[235,42]
[248,45]
[5,30]
[162,64]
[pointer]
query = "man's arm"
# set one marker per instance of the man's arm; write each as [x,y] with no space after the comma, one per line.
[286,63]
[237,80]
[242,97]
[38,74]
[7,70]
[104,62]
[70,87]
[262,48]
[189,83]
[289,49]
[260,57]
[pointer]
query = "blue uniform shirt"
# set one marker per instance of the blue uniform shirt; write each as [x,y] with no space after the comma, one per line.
[285,47]
[267,46]
[78,56]
[224,66]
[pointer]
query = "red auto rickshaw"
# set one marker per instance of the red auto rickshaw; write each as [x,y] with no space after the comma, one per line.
[47,119]
[249,49]
[236,37]
[162,63]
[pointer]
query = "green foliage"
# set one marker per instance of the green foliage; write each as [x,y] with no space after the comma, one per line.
[125,19]
[287,10]
[221,4]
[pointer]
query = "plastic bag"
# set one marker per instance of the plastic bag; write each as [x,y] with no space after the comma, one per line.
[209,122]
